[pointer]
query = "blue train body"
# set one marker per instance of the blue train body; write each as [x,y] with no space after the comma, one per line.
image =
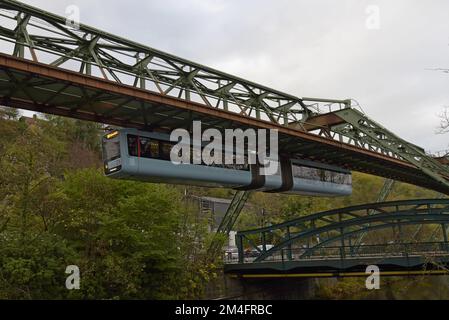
[145,156]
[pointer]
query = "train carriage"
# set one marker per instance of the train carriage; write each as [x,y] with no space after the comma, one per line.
[145,156]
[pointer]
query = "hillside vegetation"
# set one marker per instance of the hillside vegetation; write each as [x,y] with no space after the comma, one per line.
[130,240]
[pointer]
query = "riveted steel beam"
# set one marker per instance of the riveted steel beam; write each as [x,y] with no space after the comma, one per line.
[369,133]
[178,83]
[228,222]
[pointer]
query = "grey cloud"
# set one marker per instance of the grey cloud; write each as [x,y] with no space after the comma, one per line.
[307,48]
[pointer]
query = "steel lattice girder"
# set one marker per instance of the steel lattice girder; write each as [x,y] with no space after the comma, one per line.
[91,51]
[352,126]
[383,195]
[342,223]
[38,87]
[46,38]
[365,130]
[228,222]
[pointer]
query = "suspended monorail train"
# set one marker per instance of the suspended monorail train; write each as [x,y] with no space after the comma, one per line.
[145,156]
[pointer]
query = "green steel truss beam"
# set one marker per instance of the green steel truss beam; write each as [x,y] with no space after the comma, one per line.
[310,233]
[386,190]
[94,52]
[228,222]
[383,195]
[30,33]
[366,133]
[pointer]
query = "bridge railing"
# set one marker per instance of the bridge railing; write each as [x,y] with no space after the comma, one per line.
[427,249]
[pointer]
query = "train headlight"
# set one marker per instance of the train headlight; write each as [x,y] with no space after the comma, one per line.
[112,135]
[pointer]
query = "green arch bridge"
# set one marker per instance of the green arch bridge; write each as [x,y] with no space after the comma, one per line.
[414,240]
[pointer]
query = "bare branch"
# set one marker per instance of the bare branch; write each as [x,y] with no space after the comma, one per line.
[444,121]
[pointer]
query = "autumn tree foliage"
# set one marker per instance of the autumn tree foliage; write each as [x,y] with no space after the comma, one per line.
[130,240]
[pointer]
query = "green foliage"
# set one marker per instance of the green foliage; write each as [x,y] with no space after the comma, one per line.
[340,289]
[34,269]
[87,133]
[130,240]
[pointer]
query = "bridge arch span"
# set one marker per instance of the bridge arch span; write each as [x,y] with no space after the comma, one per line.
[342,225]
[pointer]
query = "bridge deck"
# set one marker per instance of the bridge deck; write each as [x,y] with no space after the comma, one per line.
[333,267]
[324,244]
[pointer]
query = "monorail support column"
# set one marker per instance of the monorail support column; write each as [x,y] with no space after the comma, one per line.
[228,222]
[382,197]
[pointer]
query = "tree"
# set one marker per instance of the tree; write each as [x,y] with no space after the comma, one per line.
[75,131]
[133,238]
[444,123]
[34,269]
[129,239]
[29,165]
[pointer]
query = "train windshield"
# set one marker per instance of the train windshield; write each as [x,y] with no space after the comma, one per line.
[322,175]
[111,152]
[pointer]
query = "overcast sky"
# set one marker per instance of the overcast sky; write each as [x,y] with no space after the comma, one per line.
[309,48]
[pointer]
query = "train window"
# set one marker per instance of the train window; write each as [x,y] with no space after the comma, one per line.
[154,146]
[245,165]
[347,179]
[296,171]
[338,177]
[145,147]
[111,148]
[195,154]
[165,150]
[133,148]
[234,165]
[330,176]
[241,167]
[321,175]
[207,159]
[306,173]
[227,158]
